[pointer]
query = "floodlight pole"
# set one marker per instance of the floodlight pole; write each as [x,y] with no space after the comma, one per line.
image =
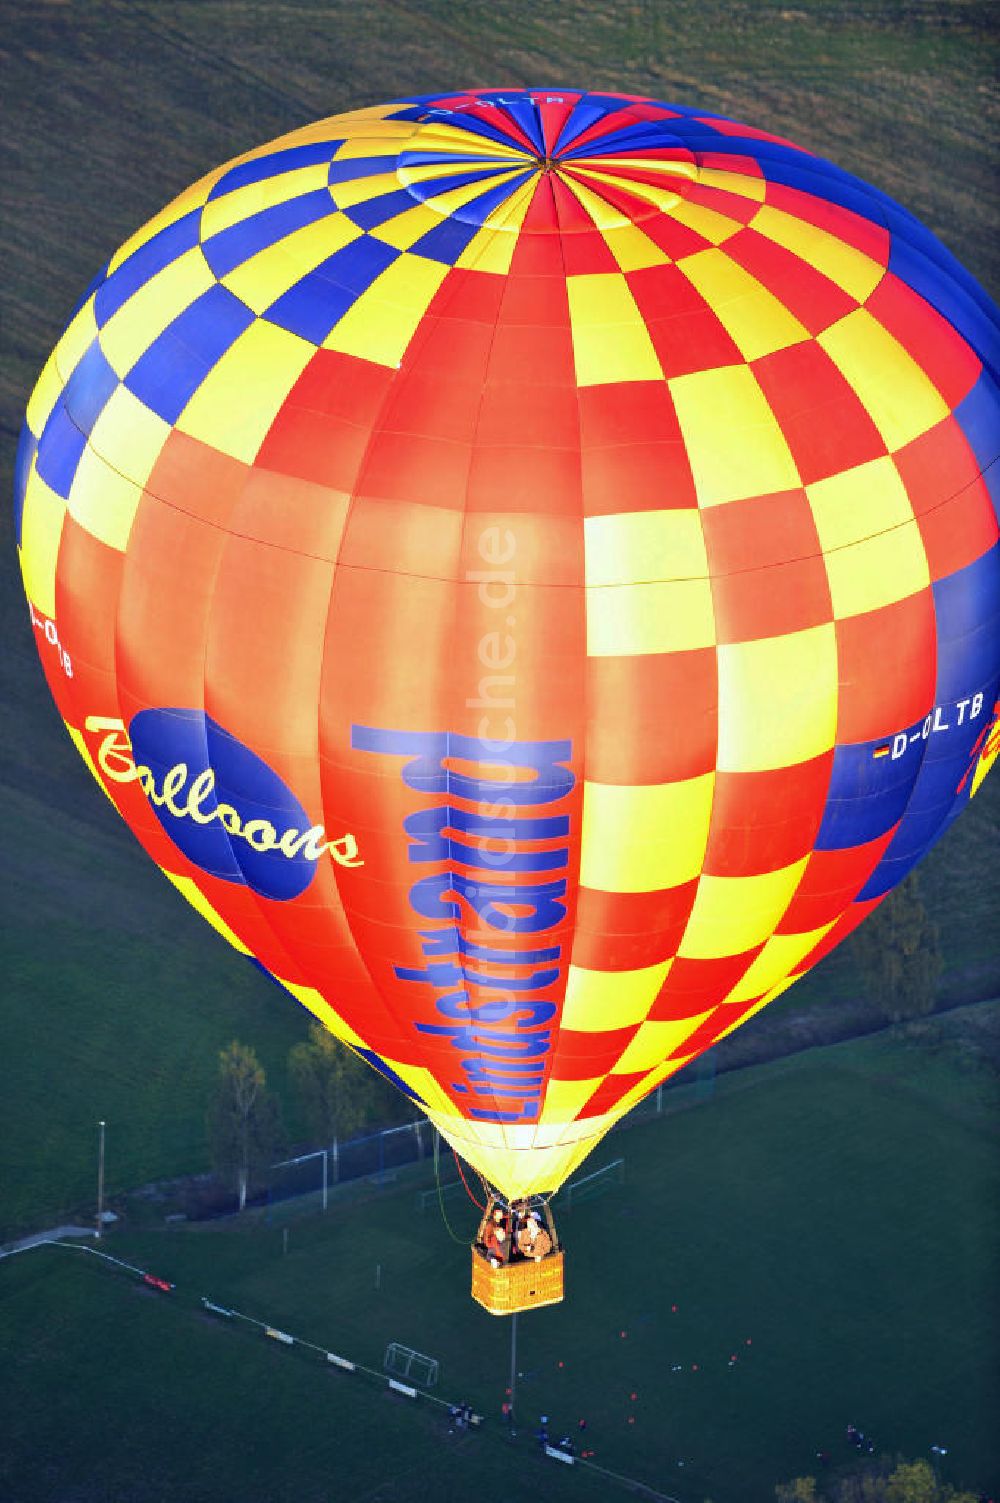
[100,1179]
[513,1364]
[325,1177]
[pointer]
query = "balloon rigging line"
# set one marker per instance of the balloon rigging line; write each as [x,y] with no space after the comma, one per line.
[462,1241]
[461,1173]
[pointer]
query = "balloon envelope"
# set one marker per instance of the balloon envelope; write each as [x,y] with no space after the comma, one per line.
[525,567]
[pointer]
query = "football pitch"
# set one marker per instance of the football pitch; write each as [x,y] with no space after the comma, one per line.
[811,1247]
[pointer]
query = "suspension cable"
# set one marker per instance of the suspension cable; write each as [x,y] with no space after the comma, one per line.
[462,1241]
[461,1172]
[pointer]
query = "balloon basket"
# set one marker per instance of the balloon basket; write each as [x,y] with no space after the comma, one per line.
[507,1277]
[512,1287]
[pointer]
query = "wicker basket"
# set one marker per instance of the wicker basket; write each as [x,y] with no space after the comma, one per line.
[522,1285]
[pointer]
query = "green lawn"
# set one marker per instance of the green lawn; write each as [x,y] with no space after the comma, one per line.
[116,1001]
[836,1210]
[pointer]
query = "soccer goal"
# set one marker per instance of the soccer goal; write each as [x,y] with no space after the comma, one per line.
[428,1200]
[403,1362]
[593,1184]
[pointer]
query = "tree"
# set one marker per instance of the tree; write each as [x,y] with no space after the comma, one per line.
[799,1490]
[898,954]
[875,1479]
[244,1119]
[864,1484]
[912,1482]
[332,1082]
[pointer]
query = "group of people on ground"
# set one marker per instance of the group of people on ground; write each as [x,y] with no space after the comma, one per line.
[565,1444]
[505,1237]
[459,1417]
[859,1440]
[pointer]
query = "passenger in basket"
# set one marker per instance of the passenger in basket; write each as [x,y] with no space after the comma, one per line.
[519,1212]
[534,1241]
[527,1232]
[495,1239]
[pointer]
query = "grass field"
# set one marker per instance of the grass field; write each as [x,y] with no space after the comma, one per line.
[837,1210]
[115,997]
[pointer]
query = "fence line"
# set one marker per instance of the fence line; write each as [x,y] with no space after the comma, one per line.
[345,1364]
[613,1172]
[377,1156]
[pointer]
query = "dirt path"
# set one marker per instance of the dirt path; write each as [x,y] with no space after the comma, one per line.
[55,1235]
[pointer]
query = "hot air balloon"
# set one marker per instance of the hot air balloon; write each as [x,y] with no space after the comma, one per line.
[525,566]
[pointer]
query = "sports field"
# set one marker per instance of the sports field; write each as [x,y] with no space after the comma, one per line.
[828,1221]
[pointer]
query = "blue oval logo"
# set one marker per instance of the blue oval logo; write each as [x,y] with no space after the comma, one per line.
[222,806]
